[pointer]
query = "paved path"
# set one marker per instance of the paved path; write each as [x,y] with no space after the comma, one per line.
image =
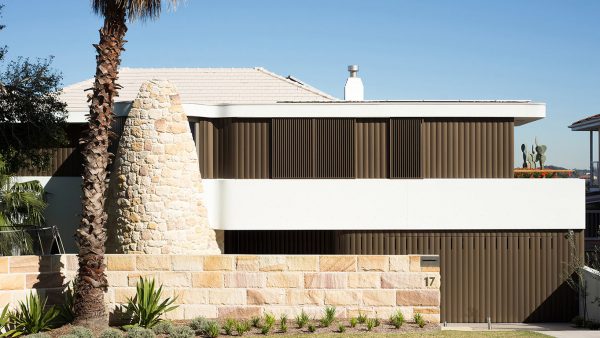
[559,330]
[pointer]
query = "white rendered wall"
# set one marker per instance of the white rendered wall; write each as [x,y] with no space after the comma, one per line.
[416,204]
[427,204]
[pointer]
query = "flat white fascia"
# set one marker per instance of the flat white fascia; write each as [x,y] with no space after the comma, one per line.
[522,111]
[390,204]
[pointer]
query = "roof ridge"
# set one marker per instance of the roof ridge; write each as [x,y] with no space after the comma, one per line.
[302,85]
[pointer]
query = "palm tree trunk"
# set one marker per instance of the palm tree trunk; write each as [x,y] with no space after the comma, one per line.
[91,281]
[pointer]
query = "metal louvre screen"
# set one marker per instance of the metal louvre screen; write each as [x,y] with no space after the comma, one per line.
[248,149]
[210,139]
[468,148]
[292,148]
[371,148]
[405,148]
[334,148]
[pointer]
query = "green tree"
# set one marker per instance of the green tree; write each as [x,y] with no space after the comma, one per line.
[91,236]
[32,116]
[21,203]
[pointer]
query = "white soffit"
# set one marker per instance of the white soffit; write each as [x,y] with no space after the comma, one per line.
[522,111]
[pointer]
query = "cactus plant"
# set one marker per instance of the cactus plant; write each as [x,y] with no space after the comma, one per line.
[540,156]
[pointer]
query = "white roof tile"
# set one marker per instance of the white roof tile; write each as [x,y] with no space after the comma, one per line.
[205,86]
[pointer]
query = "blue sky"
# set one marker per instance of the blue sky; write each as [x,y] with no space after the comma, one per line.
[543,50]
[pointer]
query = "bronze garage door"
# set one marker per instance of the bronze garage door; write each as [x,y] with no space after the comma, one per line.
[509,276]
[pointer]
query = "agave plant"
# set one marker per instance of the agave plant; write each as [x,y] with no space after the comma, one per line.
[4,320]
[20,203]
[146,307]
[32,316]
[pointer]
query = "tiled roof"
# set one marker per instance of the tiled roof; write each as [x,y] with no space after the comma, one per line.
[206,86]
[587,119]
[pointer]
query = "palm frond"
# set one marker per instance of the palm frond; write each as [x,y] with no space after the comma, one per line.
[135,9]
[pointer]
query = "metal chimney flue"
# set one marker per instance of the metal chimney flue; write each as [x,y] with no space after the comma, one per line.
[354,89]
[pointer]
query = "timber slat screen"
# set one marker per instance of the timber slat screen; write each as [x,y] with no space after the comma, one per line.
[259,148]
[511,276]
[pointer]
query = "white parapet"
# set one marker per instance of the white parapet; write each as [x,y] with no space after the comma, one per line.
[415,204]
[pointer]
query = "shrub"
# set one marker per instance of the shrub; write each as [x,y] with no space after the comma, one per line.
[70,335]
[283,323]
[255,322]
[111,333]
[312,328]
[32,316]
[229,326]
[242,327]
[419,320]
[397,319]
[4,319]
[377,322]
[198,324]
[212,329]
[353,322]
[163,327]
[269,320]
[146,307]
[342,328]
[39,335]
[181,331]
[361,318]
[370,324]
[82,332]
[301,319]
[329,316]
[139,332]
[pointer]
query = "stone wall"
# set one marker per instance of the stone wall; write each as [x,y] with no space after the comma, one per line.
[245,286]
[156,202]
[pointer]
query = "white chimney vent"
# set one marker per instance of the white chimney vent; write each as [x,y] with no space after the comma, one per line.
[354,90]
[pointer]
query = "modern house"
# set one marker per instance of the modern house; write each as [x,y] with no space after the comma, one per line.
[288,169]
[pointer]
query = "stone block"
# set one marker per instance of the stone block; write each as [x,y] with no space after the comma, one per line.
[209,279]
[175,279]
[305,297]
[431,318]
[325,280]
[373,263]
[289,311]
[30,264]
[219,263]
[153,262]
[191,296]
[12,282]
[193,311]
[44,280]
[415,263]
[426,310]
[399,263]
[418,297]
[342,297]
[386,312]
[117,278]
[244,279]
[3,264]
[337,263]
[134,277]
[240,312]
[186,262]
[303,263]
[227,296]
[5,298]
[120,263]
[364,280]
[355,311]
[284,280]
[272,263]
[247,263]
[123,294]
[72,263]
[404,280]
[265,296]
[176,314]
[378,297]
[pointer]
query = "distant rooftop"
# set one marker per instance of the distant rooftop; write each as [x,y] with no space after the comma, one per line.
[206,86]
[585,124]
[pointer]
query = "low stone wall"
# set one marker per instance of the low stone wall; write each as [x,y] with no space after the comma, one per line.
[245,286]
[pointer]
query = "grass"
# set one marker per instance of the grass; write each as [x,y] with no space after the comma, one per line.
[443,334]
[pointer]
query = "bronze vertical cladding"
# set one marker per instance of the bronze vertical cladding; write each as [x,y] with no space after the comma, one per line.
[334,148]
[292,148]
[371,141]
[510,276]
[405,148]
[467,148]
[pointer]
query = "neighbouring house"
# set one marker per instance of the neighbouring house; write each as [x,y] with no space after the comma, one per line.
[288,169]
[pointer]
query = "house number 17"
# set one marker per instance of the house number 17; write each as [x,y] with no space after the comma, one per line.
[429,281]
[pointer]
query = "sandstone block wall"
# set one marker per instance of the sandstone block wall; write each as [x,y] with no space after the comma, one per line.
[246,285]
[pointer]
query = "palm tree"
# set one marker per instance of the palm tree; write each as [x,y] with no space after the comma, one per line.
[21,203]
[91,236]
